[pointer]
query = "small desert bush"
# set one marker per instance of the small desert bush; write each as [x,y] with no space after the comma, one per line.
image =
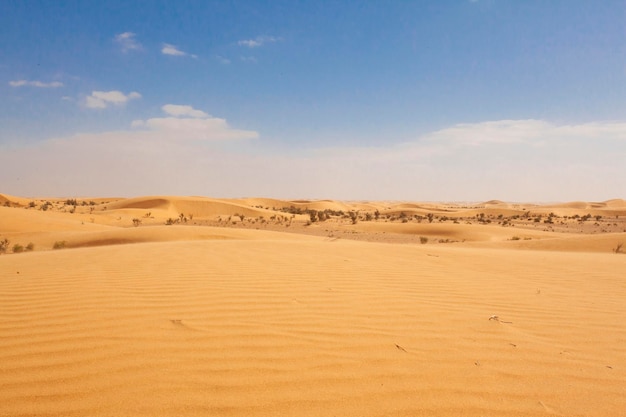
[136,222]
[618,248]
[515,238]
[17,248]
[423,240]
[59,244]
[4,245]
[30,247]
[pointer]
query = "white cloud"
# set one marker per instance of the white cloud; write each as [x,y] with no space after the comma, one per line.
[157,155]
[173,50]
[179,110]
[127,41]
[210,129]
[39,84]
[189,123]
[258,41]
[514,160]
[222,60]
[531,132]
[103,99]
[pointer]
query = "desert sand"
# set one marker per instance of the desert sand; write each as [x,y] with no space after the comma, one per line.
[194,306]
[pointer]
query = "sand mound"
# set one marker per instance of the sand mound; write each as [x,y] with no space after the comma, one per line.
[196,206]
[577,205]
[145,203]
[12,201]
[494,203]
[616,203]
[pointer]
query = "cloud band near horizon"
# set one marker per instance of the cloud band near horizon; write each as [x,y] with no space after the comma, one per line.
[514,160]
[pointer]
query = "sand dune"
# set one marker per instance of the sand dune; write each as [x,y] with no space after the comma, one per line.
[13,201]
[617,203]
[199,320]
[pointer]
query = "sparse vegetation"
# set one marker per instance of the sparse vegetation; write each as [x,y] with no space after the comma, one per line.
[59,244]
[618,248]
[4,245]
[30,247]
[17,248]
[136,222]
[423,240]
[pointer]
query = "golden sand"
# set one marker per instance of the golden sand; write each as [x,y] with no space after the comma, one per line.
[216,315]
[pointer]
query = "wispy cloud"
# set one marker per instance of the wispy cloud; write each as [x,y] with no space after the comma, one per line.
[222,60]
[127,41]
[169,49]
[39,84]
[184,111]
[103,99]
[258,41]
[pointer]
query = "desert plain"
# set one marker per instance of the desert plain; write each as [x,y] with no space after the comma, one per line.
[197,306]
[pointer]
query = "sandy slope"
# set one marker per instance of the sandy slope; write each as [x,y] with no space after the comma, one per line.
[195,320]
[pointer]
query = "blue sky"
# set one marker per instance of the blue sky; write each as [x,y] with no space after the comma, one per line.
[426,100]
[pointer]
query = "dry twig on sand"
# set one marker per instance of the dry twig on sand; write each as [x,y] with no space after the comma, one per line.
[496,318]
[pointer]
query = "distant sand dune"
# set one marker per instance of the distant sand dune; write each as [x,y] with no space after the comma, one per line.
[616,203]
[197,206]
